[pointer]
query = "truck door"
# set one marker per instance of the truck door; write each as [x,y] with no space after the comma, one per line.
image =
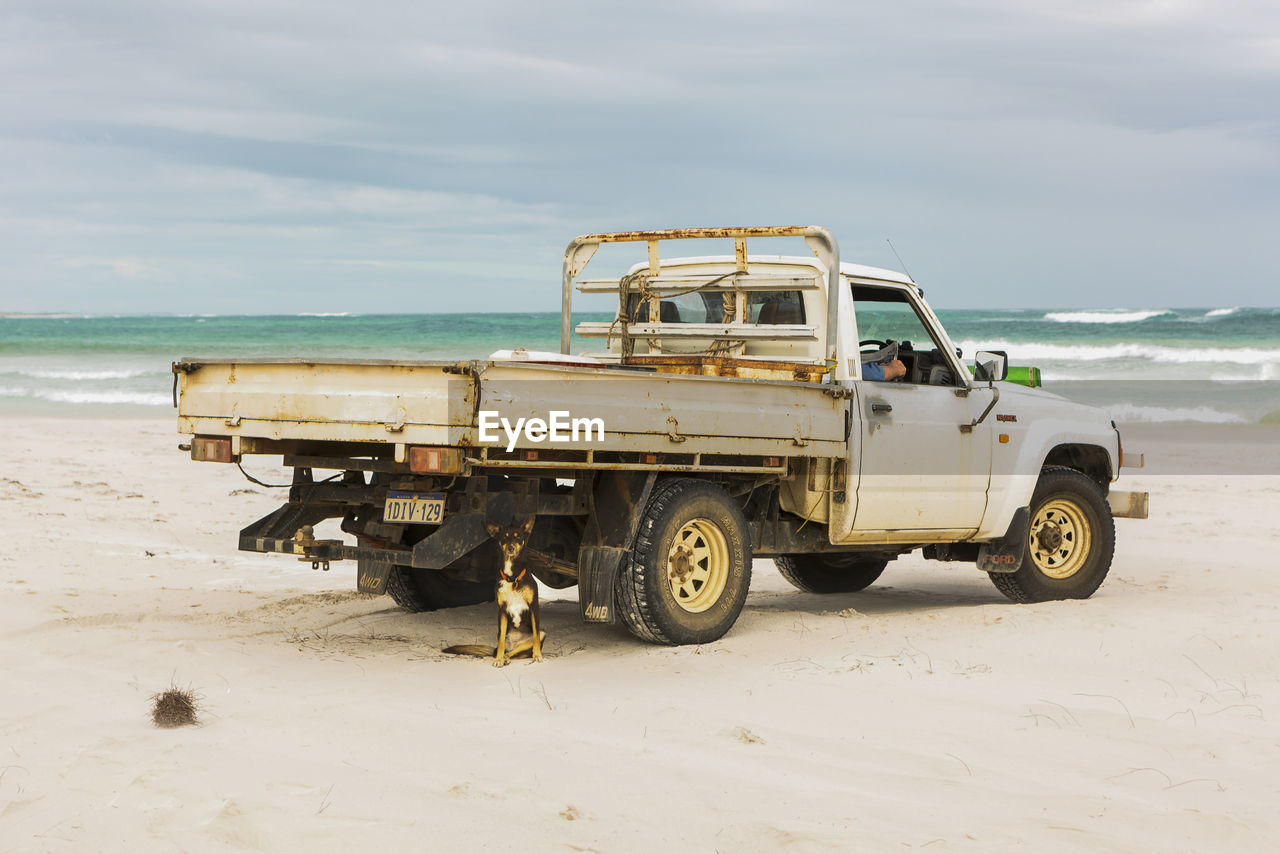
[918,472]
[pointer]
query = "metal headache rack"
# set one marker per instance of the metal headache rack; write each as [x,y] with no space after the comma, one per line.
[717,331]
[743,282]
[649,286]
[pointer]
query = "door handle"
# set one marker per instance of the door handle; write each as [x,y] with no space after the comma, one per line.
[882,407]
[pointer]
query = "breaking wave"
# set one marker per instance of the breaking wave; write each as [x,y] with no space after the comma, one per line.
[1222,312]
[1119,316]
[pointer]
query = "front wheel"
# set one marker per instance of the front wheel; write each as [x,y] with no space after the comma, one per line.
[688,573]
[1070,542]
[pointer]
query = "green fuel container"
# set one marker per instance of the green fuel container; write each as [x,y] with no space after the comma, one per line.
[1022,375]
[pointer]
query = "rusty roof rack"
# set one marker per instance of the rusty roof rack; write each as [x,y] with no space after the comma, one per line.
[581,249]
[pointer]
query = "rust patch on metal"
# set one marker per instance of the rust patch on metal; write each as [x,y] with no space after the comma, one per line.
[684,233]
[729,366]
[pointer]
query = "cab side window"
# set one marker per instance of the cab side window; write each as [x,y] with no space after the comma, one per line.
[891,321]
[887,315]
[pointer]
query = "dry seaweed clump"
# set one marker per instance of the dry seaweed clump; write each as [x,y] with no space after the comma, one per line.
[175,707]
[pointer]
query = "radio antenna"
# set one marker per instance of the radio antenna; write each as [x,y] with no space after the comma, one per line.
[900,262]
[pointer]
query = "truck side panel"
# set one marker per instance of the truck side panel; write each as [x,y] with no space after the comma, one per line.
[436,404]
[673,413]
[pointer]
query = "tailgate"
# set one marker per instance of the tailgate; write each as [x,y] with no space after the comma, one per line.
[427,403]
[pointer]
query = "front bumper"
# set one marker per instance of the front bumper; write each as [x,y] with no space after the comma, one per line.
[1128,505]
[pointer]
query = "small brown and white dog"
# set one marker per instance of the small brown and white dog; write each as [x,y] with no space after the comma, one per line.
[517,595]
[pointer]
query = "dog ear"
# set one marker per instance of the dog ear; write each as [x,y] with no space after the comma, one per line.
[492,528]
[528,525]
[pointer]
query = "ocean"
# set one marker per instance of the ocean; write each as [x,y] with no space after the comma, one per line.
[1210,365]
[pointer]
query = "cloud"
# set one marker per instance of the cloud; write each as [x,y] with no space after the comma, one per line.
[446,144]
[127,268]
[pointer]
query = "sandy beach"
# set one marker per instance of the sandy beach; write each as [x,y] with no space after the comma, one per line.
[926,712]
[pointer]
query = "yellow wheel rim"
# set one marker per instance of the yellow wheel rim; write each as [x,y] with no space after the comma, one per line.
[698,565]
[1060,538]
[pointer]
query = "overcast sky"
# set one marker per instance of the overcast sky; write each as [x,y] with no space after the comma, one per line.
[249,156]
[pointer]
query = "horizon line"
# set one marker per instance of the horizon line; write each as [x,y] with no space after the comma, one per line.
[80,315]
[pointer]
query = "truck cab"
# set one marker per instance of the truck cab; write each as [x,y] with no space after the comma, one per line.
[925,463]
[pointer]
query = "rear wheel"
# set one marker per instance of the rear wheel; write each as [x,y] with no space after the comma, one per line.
[433,589]
[1069,544]
[818,573]
[430,589]
[690,569]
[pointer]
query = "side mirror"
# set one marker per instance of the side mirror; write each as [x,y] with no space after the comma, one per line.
[990,365]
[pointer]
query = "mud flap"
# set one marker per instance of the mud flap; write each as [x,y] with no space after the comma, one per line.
[597,572]
[1005,554]
[371,575]
[617,501]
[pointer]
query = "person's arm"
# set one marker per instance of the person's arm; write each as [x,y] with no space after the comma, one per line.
[880,373]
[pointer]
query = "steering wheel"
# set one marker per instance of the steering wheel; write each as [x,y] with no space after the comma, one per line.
[886,351]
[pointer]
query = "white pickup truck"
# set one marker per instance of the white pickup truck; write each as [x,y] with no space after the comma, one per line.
[726,417]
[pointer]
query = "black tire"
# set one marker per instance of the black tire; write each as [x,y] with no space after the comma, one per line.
[431,589]
[1084,513]
[658,593]
[830,573]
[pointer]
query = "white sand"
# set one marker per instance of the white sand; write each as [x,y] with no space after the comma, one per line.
[926,711]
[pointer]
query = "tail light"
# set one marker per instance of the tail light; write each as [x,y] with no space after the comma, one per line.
[211,449]
[425,459]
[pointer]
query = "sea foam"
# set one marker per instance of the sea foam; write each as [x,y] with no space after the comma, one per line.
[1022,351]
[1129,413]
[106,397]
[134,398]
[84,375]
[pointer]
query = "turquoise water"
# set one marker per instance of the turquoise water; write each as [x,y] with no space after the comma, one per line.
[1136,362]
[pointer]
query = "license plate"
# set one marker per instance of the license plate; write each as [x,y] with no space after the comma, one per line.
[414,508]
